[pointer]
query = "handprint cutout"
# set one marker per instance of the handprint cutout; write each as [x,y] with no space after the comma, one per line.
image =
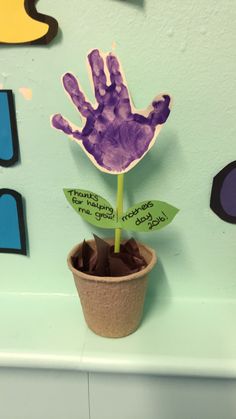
[115,137]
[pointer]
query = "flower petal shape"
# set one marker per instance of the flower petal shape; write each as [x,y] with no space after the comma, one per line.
[115,135]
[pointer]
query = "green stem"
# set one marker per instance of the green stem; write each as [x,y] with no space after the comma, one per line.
[119,209]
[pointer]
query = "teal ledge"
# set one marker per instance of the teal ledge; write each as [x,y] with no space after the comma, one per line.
[176,337]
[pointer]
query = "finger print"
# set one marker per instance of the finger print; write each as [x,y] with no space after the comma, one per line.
[99,78]
[72,87]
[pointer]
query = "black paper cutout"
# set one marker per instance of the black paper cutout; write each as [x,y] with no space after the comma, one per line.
[223,193]
[14,134]
[53,24]
[20,235]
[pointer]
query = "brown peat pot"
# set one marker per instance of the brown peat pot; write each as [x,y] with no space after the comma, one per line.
[113,306]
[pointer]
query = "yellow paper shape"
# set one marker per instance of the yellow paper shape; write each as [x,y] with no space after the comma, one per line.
[21,23]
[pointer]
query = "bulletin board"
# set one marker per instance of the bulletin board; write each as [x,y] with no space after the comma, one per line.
[160,51]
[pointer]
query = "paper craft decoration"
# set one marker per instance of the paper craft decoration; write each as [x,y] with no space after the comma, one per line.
[144,216]
[148,216]
[115,135]
[92,207]
[9,147]
[102,261]
[20,23]
[223,194]
[12,226]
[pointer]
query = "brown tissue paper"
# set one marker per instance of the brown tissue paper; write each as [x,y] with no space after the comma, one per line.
[102,261]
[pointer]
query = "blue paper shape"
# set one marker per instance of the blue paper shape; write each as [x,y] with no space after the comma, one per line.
[8,130]
[12,229]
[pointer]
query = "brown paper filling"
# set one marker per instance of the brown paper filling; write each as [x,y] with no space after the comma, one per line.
[102,261]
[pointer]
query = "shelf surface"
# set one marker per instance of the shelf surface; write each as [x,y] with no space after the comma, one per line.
[176,337]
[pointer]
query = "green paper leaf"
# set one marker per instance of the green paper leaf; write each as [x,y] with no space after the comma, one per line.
[91,207]
[148,216]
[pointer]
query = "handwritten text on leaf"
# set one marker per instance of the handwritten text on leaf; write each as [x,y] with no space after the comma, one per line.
[148,216]
[91,207]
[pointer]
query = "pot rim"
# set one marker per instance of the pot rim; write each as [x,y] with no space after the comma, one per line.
[124,278]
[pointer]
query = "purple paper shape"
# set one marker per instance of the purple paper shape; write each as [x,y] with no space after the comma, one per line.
[115,137]
[223,194]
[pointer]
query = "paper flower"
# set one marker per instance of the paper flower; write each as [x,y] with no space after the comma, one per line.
[115,136]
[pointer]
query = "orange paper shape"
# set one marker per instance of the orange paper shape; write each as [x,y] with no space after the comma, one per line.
[20,23]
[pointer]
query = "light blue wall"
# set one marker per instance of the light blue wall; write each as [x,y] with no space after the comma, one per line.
[183,47]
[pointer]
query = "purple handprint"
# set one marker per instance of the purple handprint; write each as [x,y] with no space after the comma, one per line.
[114,136]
